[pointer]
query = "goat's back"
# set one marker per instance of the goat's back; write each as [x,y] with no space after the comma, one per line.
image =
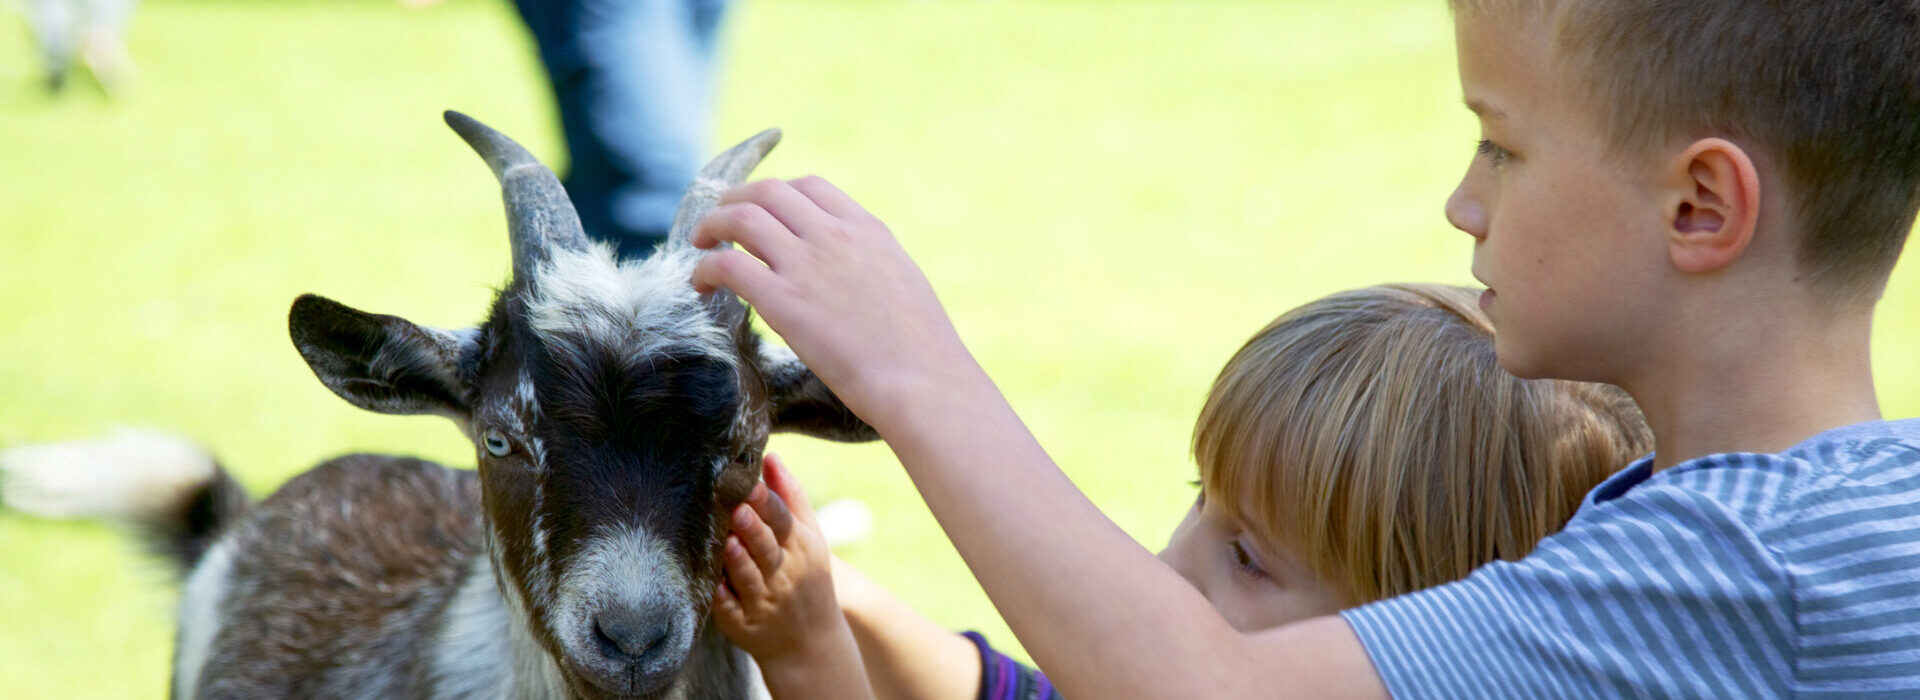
[333,586]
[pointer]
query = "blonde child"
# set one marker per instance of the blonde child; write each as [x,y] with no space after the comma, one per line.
[1359,447]
[1699,202]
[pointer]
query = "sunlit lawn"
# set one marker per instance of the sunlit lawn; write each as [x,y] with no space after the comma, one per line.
[1110,196]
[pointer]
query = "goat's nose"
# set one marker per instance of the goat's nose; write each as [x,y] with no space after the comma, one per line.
[631,631]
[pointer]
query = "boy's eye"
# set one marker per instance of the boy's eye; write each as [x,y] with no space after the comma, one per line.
[1200,498]
[1245,561]
[1493,152]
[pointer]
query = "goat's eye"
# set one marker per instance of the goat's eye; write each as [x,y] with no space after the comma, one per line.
[497,444]
[744,456]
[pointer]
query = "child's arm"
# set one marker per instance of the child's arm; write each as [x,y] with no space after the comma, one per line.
[777,603]
[908,656]
[1098,612]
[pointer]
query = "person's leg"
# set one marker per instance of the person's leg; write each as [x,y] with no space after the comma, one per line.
[633,82]
[53,24]
[103,43]
[706,16]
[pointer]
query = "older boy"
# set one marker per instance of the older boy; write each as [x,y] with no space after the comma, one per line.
[1699,201]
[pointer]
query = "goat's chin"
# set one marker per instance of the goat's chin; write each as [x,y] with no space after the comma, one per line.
[632,685]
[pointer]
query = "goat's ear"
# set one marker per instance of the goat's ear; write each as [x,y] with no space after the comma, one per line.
[381,363]
[803,404]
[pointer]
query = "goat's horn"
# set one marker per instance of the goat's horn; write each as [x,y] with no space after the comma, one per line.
[727,170]
[538,211]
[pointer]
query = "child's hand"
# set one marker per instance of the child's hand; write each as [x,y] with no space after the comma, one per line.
[778,603]
[837,286]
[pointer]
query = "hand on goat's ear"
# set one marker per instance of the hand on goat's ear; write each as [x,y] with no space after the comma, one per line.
[803,404]
[381,363]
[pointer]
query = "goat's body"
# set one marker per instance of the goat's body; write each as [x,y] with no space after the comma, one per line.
[368,576]
[332,586]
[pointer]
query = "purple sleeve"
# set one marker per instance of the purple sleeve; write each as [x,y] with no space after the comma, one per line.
[1002,678]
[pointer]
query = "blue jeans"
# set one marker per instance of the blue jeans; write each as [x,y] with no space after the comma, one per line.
[633,80]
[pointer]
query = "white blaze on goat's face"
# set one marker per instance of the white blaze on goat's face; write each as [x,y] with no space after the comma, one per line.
[647,307]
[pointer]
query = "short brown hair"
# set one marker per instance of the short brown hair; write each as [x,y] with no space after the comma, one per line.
[1374,433]
[1828,91]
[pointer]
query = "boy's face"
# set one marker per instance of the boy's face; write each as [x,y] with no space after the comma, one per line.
[1566,239]
[1254,584]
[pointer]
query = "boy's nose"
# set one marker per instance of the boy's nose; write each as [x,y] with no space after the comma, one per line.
[1466,214]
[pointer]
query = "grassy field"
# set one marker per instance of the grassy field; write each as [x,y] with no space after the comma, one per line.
[1109,196]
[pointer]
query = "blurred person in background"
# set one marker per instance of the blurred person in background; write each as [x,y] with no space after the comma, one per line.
[633,82]
[91,32]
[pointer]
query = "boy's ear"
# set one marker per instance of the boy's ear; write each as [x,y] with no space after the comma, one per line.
[1714,207]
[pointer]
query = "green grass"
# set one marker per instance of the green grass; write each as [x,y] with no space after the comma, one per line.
[1109,196]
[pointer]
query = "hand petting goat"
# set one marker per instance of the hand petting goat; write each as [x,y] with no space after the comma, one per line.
[778,602]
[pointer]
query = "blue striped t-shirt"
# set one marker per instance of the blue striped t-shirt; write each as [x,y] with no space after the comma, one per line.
[1732,575]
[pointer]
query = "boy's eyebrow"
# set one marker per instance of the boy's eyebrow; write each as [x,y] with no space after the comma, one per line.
[1484,110]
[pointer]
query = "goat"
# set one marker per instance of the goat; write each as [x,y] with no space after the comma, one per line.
[617,418]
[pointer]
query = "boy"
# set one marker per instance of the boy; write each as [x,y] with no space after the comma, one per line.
[1698,201]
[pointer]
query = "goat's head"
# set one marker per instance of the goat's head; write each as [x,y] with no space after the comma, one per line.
[618,416]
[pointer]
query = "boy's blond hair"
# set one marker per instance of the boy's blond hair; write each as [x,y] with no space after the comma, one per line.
[1824,94]
[1374,433]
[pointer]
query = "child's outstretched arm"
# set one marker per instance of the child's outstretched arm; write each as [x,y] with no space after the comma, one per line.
[777,603]
[908,656]
[1099,613]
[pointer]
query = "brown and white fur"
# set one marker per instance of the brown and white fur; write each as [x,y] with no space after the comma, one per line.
[617,417]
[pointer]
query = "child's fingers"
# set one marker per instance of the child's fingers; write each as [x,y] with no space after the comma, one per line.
[756,229]
[761,545]
[772,511]
[726,607]
[748,585]
[828,197]
[796,212]
[781,482]
[735,270]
